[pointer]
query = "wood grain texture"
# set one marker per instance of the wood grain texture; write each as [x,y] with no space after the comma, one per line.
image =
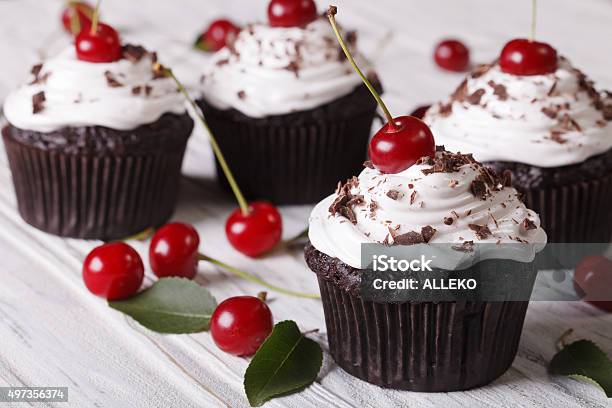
[53,332]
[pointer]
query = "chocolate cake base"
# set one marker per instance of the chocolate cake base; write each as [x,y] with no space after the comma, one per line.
[95,182]
[297,158]
[573,201]
[416,346]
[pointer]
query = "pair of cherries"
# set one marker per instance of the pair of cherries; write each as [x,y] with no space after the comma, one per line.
[115,271]
[281,13]
[95,41]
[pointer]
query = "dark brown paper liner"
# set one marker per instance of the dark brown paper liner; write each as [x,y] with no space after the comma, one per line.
[579,212]
[93,196]
[419,346]
[427,347]
[293,158]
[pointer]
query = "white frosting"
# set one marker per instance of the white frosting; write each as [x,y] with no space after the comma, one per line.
[77,93]
[276,70]
[438,196]
[517,129]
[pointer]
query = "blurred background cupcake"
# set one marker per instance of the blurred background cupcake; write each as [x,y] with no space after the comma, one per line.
[95,141]
[288,111]
[534,114]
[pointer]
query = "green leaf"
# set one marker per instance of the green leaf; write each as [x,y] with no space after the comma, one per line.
[171,305]
[583,360]
[286,362]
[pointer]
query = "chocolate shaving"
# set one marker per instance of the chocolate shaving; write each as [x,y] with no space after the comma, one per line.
[507,178]
[241,95]
[368,164]
[412,197]
[499,90]
[393,194]
[345,200]
[479,189]
[482,231]
[476,96]
[38,79]
[528,224]
[136,90]
[38,101]
[551,111]
[461,92]
[428,232]
[467,246]
[556,136]
[410,238]
[133,53]
[480,70]
[111,80]
[448,220]
[446,109]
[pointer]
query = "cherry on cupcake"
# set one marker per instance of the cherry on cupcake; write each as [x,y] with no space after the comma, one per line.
[402,140]
[239,325]
[526,57]
[113,271]
[593,281]
[291,13]
[452,55]
[174,251]
[77,16]
[218,34]
[100,43]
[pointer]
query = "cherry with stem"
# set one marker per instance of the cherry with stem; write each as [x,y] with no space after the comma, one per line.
[402,141]
[99,44]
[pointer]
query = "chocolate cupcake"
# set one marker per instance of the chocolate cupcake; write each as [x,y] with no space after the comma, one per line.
[553,131]
[96,149]
[288,111]
[423,346]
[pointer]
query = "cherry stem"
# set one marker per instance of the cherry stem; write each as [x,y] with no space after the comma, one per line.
[256,280]
[244,206]
[533,19]
[75,21]
[331,15]
[95,18]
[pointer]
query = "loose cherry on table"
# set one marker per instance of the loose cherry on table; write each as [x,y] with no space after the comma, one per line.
[218,34]
[257,231]
[452,55]
[402,140]
[174,251]
[593,281]
[239,325]
[291,13]
[72,23]
[113,271]
[527,57]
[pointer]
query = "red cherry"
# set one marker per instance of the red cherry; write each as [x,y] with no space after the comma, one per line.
[103,45]
[394,149]
[525,57]
[593,281]
[239,325]
[174,251]
[218,34]
[84,12]
[291,13]
[420,112]
[256,232]
[452,55]
[113,271]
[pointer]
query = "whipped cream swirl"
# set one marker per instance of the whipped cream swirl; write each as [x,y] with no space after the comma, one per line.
[275,70]
[67,92]
[450,200]
[550,120]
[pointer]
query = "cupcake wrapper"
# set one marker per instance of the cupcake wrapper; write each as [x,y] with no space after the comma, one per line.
[93,196]
[578,212]
[291,163]
[426,347]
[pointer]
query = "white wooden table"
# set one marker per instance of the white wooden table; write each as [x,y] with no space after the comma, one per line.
[53,332]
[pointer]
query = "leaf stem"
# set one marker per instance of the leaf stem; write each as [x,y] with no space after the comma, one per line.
[244,207]
[256,280]
[331,15]
[95,18]
[533,19]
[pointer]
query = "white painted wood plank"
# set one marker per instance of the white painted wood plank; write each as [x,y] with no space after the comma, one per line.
[106,359]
